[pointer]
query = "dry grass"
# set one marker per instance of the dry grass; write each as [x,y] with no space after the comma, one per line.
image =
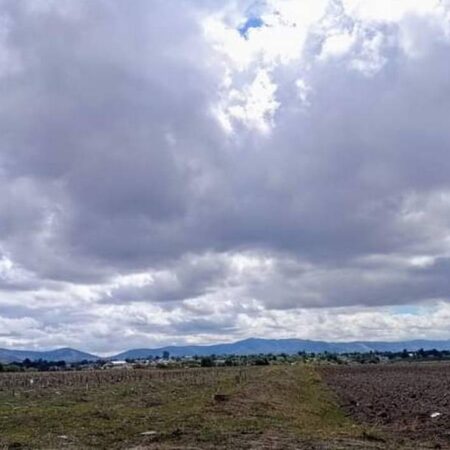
[265,407]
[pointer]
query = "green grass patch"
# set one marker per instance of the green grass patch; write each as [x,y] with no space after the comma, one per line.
[288,401]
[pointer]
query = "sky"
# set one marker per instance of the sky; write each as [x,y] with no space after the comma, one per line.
[193,171]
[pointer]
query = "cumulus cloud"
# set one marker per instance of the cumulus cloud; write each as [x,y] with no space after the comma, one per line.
[168,177]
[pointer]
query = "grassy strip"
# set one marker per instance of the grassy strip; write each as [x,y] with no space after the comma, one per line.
[287,401]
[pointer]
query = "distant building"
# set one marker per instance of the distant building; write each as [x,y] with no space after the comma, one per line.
[117,365]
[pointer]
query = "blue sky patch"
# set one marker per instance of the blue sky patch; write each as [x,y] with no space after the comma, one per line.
[252,22]
[406,309]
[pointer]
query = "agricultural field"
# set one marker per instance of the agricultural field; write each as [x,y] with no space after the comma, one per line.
[410,401]
[269,407]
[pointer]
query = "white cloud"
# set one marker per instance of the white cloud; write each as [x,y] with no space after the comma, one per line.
[337,45]
[389,10]
[312,201]
[254,105]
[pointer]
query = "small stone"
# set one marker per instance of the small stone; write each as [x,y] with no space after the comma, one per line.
[14,445]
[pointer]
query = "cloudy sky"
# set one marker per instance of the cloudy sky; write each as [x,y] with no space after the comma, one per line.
[198,171]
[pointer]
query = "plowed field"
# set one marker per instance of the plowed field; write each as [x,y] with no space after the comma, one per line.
[410,401]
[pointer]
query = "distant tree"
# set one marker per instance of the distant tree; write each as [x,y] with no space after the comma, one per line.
[435,353]
[207,362]
[261,362]
[166,354]
[27,363]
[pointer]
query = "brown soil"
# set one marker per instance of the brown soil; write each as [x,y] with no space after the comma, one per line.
[399,399]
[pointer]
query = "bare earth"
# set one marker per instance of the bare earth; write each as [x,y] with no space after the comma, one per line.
[410,401]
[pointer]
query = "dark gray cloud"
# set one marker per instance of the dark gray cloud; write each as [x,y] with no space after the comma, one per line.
[188,278]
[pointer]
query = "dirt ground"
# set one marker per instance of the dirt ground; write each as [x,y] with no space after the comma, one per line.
[409,401]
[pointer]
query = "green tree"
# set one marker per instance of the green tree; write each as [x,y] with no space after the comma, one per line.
[207,362]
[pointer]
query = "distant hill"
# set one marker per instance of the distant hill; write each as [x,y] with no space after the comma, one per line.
[66,354]
[256,346]
[245,347]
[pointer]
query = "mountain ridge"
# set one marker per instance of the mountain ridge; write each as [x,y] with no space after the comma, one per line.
[66,353]
[243,347]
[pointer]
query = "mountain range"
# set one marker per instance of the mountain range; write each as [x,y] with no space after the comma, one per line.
[245,347]
[66,354]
